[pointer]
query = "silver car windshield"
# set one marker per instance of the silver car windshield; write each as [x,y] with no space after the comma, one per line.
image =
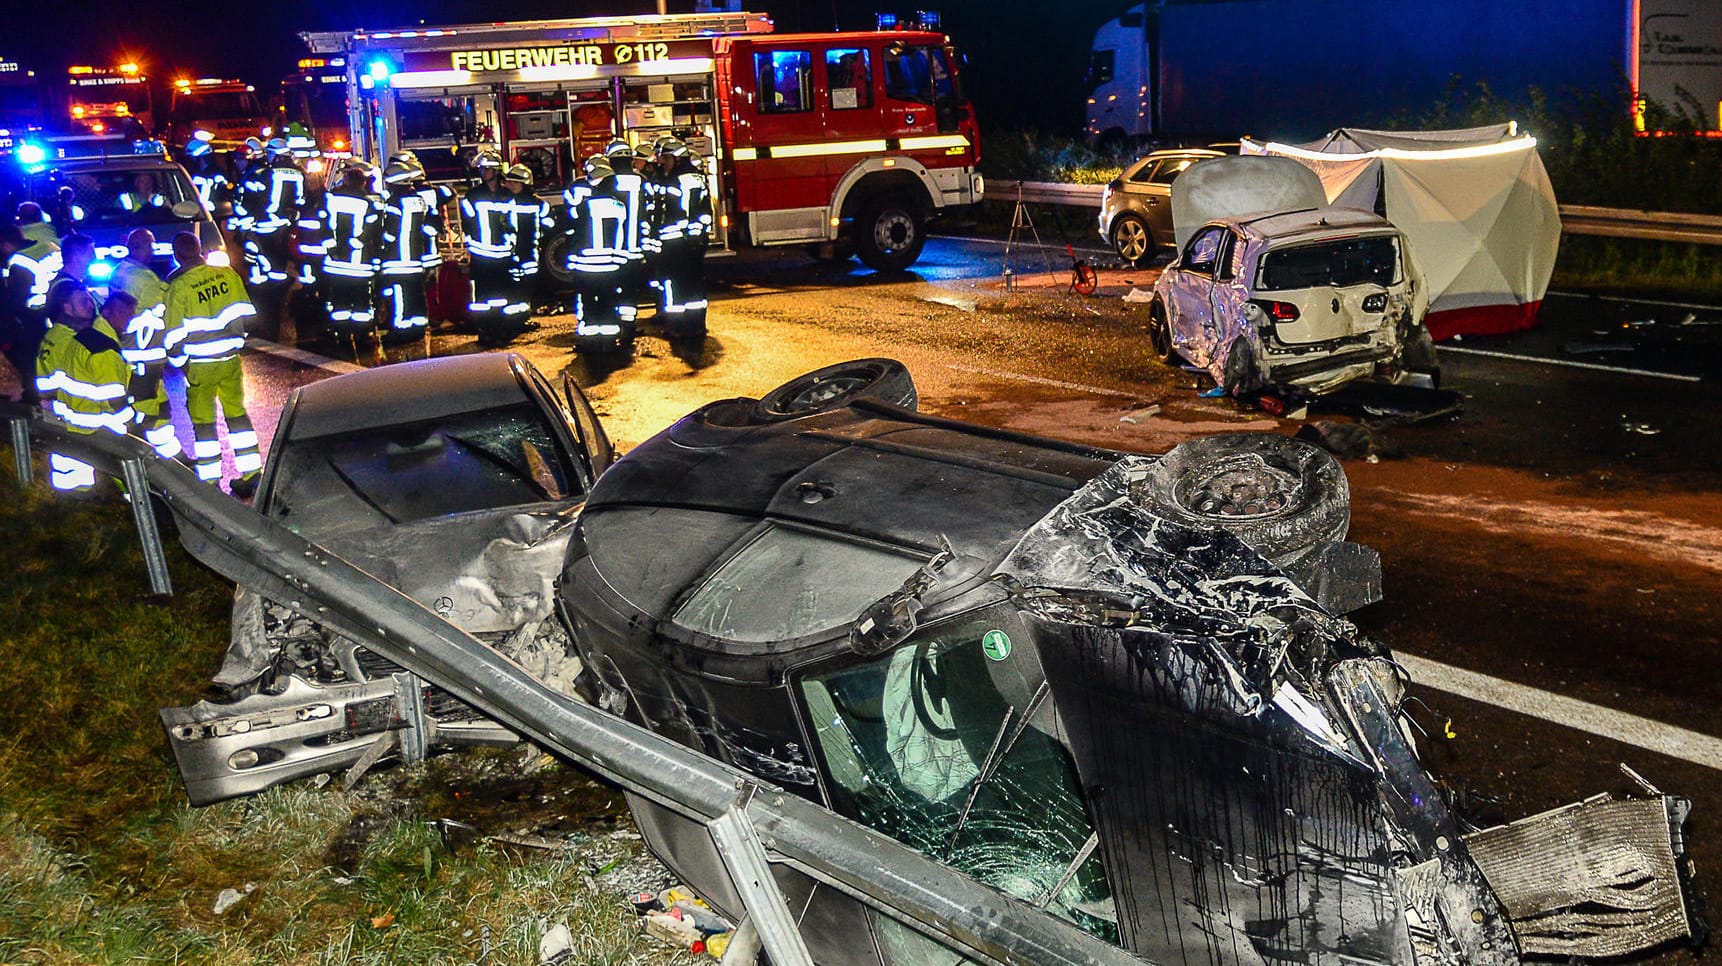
[417,471]
[1339,263]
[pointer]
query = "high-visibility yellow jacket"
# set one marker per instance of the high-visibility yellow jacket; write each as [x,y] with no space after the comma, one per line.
[52,360]
[207,309]
[143,342]
[89,378]
[30,272]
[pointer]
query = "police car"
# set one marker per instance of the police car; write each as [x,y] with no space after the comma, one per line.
[107,187]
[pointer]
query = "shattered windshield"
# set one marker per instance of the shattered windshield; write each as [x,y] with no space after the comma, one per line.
[945,744]
[1371,260]
[417,471]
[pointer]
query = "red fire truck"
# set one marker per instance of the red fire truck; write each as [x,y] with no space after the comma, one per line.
[849,140]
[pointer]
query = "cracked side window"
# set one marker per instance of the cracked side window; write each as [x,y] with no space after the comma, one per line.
[946,745]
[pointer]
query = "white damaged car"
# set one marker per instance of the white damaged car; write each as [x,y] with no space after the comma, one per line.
[1274,288]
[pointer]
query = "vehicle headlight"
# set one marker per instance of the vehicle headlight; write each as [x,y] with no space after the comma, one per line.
[1375,303]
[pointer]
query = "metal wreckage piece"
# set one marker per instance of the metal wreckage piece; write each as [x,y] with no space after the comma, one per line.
[1260,790]
[302,698]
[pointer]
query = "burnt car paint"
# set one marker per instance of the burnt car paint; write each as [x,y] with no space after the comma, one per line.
[1074,687]
[296,697]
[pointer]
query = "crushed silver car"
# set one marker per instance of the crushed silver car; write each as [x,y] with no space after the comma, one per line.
[1118,687]
[454,480]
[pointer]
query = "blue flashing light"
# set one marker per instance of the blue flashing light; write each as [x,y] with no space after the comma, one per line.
[32,154]
[101,271]
[887,21]
[928,19]
[379,70]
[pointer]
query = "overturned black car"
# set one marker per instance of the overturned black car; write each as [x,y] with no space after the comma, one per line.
[1118,687]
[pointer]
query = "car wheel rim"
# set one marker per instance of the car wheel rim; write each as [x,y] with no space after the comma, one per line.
[1132,240]
[820,393]
[1242,487]
[1159,336]
[894,232]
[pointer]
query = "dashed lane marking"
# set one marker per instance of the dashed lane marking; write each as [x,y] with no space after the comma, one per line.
[1629,729]
[301,356]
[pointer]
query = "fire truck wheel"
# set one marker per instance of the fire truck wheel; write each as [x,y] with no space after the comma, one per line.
[886,380]
[889,234]
[555,261]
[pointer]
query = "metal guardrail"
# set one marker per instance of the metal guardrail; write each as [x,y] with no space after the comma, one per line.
[754,825]
[1666,226]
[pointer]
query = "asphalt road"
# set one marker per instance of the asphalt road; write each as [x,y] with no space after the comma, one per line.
[1552,554]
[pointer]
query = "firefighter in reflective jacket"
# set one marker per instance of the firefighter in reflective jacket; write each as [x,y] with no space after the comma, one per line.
[207,311]
[684,224]
[211,182]
[27,266]
[531,219]
[352,233]
[83,364]
[639,241]
[274,195]
[594,220]
[487,219]
[408,241]
[143,342]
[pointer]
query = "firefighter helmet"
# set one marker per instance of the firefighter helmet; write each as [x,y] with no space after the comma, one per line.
[520,173]
[252,148]
[407,157]
[618,149]
[276,148]
[400,172]
[597,167]
[670,145]
[486,159]
[197,148]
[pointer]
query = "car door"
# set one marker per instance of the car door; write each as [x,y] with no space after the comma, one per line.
[1158,201]
[594,449]
[1191,282]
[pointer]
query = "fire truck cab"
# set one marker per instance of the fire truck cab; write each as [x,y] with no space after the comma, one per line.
[110,100]
[848,140]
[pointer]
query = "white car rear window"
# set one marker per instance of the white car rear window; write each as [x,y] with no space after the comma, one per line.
[1336,263]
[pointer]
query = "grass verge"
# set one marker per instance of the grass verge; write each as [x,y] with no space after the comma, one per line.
[101,860]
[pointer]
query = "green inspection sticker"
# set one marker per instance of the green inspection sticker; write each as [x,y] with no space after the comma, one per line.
[996,644]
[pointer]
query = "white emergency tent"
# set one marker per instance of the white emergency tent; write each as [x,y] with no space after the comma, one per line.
[1475,203]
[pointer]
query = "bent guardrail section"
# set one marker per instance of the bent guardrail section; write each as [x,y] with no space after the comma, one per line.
[752,822]
[1667,226]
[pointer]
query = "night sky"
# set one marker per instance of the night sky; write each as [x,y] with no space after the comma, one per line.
[1025,63]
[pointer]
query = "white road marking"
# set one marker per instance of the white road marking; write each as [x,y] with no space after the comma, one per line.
[1632,301]
[1569,363]
[301,356]
[1630,729]
[1041,381]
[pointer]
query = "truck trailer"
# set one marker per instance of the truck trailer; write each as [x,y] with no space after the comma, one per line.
[1293,70]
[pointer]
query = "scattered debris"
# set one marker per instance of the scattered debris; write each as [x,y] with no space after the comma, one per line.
[529,841]
[1138,295]
[229,897]
[1642,429]
[1591,348]
[556,946]
[1349,440]
[677,916]
[383,921]
[966,305]
[1381,404]
[1141,414]
[1693,319]
[1218,392]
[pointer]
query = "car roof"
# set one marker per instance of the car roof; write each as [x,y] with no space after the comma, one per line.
[117,162]
[406,392]
[1183,153]
[1276,225]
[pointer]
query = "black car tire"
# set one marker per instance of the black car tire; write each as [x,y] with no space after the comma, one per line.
[1133,240]
[1160,334]
[832,387]
[1279,495]
[890,234]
